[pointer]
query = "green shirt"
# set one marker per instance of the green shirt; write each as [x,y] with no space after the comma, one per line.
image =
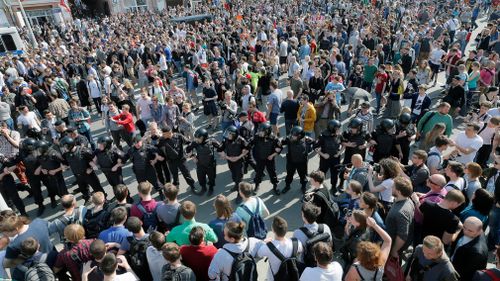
[369,73]
[437,118]
[180,233]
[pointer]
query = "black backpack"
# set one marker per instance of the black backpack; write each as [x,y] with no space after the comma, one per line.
[94,223]
[169,226]
[256,225]
[37,271]
[137,256]
[182,273]
[149,219]
[313,239]
[290,269]
[244,267]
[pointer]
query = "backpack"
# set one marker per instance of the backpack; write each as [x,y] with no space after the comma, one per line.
[37,271]
[244,267]
[137,256]
[149,219]
[95,223]
[77,218]
[176,222]
[429,117]
[313,239]
[256,224]
[332,212]
[290,269]
[182,273]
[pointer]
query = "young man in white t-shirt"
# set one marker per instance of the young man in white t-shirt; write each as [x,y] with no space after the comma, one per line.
[326,269]
[467,144]
[28,119]
[285,246]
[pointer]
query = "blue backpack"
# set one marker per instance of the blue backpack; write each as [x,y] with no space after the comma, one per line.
[149,219]
[256,225]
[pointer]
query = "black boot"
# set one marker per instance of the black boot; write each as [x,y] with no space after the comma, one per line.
[53,202]
[210,190]
[286,189]
[303,189]
[275,189]
[203,189]
[255,189]
[41,209]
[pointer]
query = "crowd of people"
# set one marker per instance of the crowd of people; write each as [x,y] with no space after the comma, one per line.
[407,198]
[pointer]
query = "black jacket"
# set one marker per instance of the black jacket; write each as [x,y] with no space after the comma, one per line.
[470,257]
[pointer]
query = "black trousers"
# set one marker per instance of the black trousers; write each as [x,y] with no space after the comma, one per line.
[162,171]
[301,169]
[114,178]
[117,137]
[86,180]
[236,169]
[97,103]
[56,186]
[36,187]
[330,164]
[203,172]
[483,154]
[10,194]
[149,174]
[270,166]
[180,165]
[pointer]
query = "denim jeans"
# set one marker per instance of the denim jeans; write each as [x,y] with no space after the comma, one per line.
[494,227]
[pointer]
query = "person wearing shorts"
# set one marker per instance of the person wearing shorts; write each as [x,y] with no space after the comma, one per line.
[273,106]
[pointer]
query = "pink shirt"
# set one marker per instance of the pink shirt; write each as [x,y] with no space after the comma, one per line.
[429,197]
[148,205]
[487,76]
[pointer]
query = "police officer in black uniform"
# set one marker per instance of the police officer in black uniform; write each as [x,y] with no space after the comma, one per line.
[8,183]
[78,158]
[143,158]
[329,148]
[234,148]
[265,147]
[27,154]
[384,139]
[172,146]
[203,151]
[354,140]
[246,131]
[405,132]
[109,159]
[299,147]
[51,167]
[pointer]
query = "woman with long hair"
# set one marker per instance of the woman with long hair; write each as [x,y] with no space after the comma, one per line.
[481,204]
[370,257]
[430,138]
[389,169]
[355,232]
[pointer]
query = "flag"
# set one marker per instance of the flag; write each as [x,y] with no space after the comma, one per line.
[63,4]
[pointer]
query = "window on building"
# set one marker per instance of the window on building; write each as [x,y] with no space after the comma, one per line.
[7,43]
[136,5]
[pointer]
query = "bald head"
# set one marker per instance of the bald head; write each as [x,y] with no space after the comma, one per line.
[473,227]
[436,182]
[357,160]
[289,94]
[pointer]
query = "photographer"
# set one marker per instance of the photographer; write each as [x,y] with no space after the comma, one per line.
[418,172]
[384,172]
[229,109]
[358,172]
[326,109]
[479,115]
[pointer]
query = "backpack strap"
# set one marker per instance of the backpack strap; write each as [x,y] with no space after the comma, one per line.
[356,266]
[427,120]
[321,228]
[141,208]
[178,216]
[490,274]
[307,232]
[244,207]
[275,251]
[295,247]
[484,127]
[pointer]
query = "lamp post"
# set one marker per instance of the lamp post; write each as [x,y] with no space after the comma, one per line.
[28,24]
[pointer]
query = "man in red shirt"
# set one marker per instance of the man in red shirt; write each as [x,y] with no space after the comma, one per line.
[198,255]
[382,79]
[126,120]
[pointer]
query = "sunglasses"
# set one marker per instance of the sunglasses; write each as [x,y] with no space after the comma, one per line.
[431,182]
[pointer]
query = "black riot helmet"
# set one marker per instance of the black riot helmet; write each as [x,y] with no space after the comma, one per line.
[405,119]
[201,135]
[106,141]
[386,124]
[231,133]
[42,146]
[28,144]
[264,130]
[67,143]
[333,125]
[356,123]
[297,133]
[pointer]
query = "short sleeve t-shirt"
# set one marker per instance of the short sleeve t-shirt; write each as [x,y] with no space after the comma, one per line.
[475,143]
[332,273]
[437,220]
[381,80]
[436,56]
[38,229]
[252,205]
[386,194]
[275,101]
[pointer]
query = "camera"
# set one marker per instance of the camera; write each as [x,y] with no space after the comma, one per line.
[222,105]
[347,212]
[472,111]
[342,168]
[376,167]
